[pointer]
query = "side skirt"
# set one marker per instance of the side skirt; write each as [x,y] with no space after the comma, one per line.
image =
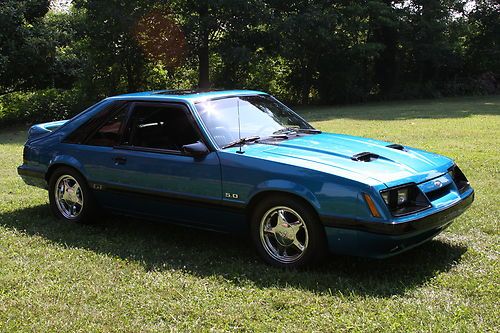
[203,214]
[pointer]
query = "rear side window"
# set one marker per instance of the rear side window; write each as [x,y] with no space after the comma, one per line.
[81,134]
[160,126]
[108,135]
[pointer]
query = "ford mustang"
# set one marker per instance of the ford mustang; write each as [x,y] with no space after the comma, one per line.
[241,161]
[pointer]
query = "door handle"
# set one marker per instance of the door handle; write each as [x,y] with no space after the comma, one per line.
[119,160]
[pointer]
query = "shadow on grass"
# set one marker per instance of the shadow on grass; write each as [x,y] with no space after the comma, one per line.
[402,110]
[201,253]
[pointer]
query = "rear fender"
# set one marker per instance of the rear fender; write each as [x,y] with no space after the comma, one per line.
[65,160]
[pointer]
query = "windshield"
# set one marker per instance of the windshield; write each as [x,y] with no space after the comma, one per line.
[260,115]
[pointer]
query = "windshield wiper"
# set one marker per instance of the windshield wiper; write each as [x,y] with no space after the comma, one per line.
[309,130]
[286,130]
[279,136]
[292,130]
[241,141]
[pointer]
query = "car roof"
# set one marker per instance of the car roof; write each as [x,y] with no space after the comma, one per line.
[187,95]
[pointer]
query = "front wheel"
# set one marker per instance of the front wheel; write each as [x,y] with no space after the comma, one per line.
[69,196]
[287,233]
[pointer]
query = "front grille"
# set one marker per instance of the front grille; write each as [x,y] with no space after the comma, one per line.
[439,193]
[459,179]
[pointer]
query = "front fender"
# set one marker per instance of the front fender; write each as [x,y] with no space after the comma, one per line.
[285,186]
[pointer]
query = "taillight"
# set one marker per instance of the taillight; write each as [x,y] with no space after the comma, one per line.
[25,154]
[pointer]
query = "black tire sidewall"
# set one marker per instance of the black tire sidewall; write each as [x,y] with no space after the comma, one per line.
[316,250]
[89,208]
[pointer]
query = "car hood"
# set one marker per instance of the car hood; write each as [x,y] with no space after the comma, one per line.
[335,151]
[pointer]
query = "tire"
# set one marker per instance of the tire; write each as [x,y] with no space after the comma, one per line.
[70,198]
[297,241]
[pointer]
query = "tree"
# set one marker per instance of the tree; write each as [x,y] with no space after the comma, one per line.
[326,46]
[384,26]
[114,55]
[25,47]
[306,35]
[483,41]
[326,51]
[207,23]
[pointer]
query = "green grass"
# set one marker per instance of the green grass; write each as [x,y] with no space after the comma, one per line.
[129,275]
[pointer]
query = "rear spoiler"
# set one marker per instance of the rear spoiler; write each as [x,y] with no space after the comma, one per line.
[41,130]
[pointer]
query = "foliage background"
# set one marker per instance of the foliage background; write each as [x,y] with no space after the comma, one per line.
[58,57]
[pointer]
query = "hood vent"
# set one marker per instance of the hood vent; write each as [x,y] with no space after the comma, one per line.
[364,157]
[397,147]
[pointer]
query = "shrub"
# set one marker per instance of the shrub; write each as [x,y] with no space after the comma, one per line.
[40,106]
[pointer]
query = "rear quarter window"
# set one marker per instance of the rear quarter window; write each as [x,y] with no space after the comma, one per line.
[82,133]
[109,133]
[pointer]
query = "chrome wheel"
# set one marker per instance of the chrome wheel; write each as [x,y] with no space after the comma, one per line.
[68,196]
[284,234]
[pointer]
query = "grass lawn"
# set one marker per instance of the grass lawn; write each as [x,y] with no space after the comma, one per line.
[129,275]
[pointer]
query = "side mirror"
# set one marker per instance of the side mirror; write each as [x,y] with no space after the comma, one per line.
[197,149]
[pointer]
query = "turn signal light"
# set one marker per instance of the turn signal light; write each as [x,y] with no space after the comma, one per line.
[371,205]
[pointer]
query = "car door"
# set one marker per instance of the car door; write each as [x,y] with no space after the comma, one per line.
[148,173]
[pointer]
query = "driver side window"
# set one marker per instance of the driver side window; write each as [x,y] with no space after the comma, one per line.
[160,126]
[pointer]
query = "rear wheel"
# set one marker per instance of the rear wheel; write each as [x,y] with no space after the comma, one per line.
[286,232]
[70,198]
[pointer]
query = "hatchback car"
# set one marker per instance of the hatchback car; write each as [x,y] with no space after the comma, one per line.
[241,161]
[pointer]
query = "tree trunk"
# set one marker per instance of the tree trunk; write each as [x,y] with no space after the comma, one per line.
[386,66]
[203,67]
[131,85]
[203,49]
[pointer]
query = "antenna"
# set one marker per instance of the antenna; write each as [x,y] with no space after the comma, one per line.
[239,124]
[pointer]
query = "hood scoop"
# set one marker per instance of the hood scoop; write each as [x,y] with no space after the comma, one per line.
[364,157]
[397,147]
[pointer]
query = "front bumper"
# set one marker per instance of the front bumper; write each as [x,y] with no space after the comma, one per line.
[380,240]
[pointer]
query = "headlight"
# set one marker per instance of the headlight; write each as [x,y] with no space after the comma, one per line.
[402,196]
[405,199]
[385,196]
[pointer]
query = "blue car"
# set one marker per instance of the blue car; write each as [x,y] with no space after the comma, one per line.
[242,162]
